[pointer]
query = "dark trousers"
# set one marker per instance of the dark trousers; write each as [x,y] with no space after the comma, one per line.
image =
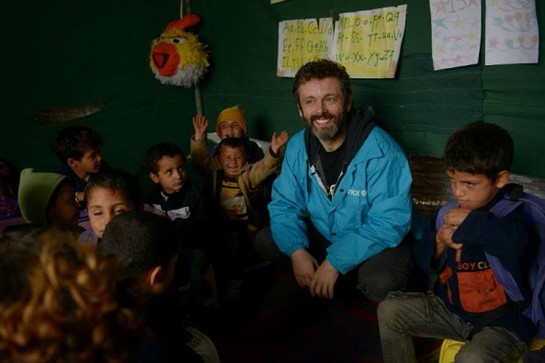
[389,270]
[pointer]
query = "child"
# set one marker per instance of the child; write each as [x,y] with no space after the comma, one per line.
[469,304]
[59,304]
[174,196]
[47,200]
[108,194]
[231,180]
[231,122]
[173,193]
[77,147]
[147,246]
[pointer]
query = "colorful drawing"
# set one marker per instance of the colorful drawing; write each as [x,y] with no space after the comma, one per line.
[455,32]
[512,34]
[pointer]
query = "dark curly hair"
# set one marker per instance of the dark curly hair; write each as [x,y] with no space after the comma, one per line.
[157,151]
[320,69]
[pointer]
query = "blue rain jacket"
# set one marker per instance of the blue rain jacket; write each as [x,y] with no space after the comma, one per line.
[369,211]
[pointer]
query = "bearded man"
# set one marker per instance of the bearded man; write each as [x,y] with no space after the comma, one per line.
[342,202]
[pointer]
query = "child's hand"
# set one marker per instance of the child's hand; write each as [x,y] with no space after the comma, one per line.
[278,141]
[443,239]
[455,216]
[200,124]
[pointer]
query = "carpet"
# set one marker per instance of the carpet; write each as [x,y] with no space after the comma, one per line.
[277,321]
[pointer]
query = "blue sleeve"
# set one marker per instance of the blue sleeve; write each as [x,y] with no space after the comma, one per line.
[287,208]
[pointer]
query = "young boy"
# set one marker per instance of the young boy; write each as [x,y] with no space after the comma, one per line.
[147,247]
[77,147]
[108,194]
[47,200]
[174,196]
[468,303]
[230,184]
[231,122]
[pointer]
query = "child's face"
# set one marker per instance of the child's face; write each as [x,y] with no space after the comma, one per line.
[232,160]
[474,191]
[90,162]
[171,173]
[229,128]
[103,204]
[63,211]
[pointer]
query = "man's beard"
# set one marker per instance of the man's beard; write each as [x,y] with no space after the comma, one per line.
[331,132]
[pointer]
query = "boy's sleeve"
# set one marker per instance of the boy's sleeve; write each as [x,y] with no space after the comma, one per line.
[262,169]
[200,156]
[499,236]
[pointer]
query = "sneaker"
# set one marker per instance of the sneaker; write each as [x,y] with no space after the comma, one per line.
[232,290]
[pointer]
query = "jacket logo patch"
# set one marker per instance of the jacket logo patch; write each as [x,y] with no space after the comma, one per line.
[357,193]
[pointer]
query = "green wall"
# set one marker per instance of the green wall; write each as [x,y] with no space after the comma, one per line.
[71,53]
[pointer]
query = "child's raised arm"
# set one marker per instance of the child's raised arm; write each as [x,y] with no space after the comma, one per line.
[200,124]
[277,141]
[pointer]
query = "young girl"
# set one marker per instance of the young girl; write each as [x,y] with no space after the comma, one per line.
[108,194]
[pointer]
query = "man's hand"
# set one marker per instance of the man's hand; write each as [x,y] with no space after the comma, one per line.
[277,141]
[323,282]
[200,124]
[303,265]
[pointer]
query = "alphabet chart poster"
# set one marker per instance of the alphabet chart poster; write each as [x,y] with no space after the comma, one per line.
[368,42]
[455,32]
[512,34]
[301,41]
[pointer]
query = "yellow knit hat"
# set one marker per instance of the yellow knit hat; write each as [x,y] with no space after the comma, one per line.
[234,113]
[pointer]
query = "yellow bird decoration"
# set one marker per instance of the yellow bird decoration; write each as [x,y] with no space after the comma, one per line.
[177,57]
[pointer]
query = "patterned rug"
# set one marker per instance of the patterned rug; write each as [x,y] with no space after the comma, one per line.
[277,321]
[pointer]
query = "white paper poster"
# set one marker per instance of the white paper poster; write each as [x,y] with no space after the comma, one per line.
[512,34]
[368,42]
[301,41]
[455,33]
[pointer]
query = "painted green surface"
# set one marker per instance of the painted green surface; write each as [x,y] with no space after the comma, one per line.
[69,53]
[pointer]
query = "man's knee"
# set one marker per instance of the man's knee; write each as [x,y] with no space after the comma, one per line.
[377,284]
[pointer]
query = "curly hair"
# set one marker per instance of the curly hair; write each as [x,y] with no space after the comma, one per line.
[59,303]
[72,141]
[320,69]
[157,151]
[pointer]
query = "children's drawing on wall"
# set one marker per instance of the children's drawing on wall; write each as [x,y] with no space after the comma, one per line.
[455,33]
[512,34]
[367,42]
